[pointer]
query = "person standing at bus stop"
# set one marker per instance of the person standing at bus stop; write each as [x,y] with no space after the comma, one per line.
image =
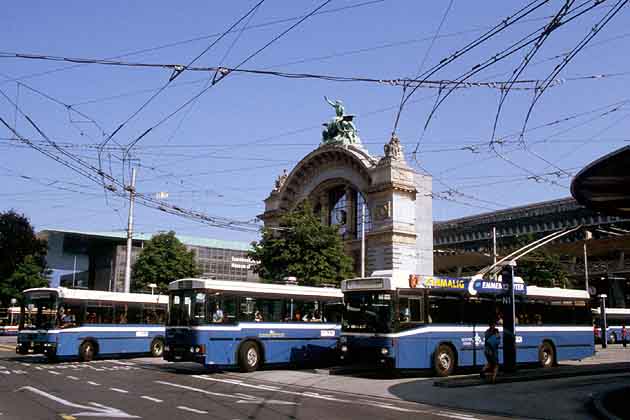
[491,351]
[624,335]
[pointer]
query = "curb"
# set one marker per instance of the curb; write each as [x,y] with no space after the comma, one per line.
[473,380]
[597,403]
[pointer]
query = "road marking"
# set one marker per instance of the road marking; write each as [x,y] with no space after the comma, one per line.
[2,368]
[118,362]
[19,372]
[241,398]
[146,397]
[192,410]
[93,383]
[455,416]
[74,378]
[122,391]
[95,410]
[39,368]
[67,417]
[6,372]
[53,372]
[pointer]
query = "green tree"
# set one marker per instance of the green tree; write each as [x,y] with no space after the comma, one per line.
[540,268]
[303,248]
[163,259]
[28,274]
[17,242]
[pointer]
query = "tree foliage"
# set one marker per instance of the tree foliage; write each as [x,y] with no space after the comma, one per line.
[303,248]
[162,260]
[540,268]
[28,274]
[22,256]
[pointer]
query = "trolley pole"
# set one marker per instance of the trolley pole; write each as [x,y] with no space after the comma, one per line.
[509,309]
[132,192]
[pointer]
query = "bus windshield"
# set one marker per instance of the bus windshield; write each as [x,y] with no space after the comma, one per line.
[40,311]
[188,307]
[368,312]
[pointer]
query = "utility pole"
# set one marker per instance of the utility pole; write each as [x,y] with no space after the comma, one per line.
[132,193]
[587,235]
[509,317]
[363,239]
[494,245]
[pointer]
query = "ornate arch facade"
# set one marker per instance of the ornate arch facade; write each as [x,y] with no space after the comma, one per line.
[338,179]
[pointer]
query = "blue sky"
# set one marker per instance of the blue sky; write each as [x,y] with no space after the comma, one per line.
[222,155]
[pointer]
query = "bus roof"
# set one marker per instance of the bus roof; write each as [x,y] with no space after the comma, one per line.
[556,292]
[82,294]
[256,288]
[399,280]
[613,311]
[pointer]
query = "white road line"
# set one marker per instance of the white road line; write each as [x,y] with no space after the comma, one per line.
[118,362]
[146,397]
[2,368]
[38,368]
[53,372]
[6,372]
[74,378]
[455,416]
[93,383]
[192,410]
[122,391]
[19,372]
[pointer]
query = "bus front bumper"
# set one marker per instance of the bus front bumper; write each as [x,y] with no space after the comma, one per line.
[353,352]
[34,347]
[174,353]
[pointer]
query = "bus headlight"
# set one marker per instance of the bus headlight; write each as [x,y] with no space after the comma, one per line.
[167,348]
[344,348]
[384,351]
[192,349]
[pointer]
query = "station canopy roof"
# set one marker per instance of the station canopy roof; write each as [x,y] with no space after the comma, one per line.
[604,185]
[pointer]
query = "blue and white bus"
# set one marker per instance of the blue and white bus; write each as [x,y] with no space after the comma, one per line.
[9,320]
[233,323]
[421,322]
[65,323]
[616,318]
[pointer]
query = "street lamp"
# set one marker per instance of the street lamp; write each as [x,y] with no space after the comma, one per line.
[152,286]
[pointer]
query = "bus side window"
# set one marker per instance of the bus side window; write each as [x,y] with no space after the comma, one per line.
[229,309]
[106,312]
[271,310]
[134,313]
[247,309]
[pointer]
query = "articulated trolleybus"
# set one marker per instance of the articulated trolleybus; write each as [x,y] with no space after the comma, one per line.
[418,322]
[244,324]
[9,320]
[64,323]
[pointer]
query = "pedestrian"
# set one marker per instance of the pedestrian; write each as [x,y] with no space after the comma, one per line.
[624,335]
[491,351]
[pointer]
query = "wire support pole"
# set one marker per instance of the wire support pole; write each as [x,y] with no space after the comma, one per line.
[363,240]
[132,193]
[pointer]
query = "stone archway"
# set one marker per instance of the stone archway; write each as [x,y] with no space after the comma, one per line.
[339,176]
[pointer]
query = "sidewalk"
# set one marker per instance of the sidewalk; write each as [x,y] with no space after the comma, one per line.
[537,374]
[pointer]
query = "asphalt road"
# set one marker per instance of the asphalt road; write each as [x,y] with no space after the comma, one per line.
[31,388]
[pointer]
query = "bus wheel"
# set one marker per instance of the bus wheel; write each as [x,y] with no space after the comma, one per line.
[443,360]
[87,351]
[157,347]
[249,357]
[613,338]
[546,355]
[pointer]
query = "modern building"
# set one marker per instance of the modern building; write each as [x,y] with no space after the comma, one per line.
[464,245]
[96,260]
